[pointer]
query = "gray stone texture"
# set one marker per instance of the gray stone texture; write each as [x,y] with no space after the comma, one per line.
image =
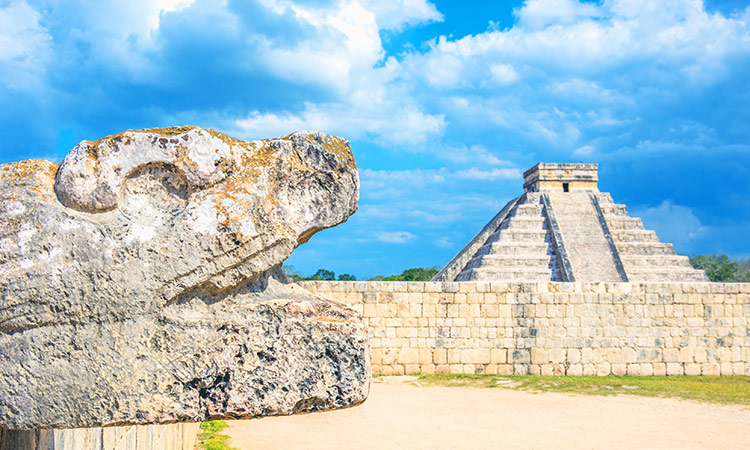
[140,281]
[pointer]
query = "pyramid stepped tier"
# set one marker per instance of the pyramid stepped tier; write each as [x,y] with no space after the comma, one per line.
[563,229]
[519,249]
[643,256]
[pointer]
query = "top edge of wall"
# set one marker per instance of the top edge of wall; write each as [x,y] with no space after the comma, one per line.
[546,286]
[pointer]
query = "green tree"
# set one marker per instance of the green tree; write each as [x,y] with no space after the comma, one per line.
[743,270]
[347,277]
[413,274]
[718,268]
[291,272]
[323,274]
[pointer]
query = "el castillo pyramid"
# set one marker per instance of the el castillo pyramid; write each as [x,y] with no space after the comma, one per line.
[563,229]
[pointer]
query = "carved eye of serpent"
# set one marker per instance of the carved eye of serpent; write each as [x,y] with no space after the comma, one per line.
[91,177]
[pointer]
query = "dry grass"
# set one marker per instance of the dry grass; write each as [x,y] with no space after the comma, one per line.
[726,390]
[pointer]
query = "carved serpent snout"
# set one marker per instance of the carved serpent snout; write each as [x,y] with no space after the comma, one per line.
[91,176]
[139,219]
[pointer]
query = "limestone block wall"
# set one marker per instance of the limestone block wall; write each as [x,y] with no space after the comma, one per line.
[177,436]
[552,328]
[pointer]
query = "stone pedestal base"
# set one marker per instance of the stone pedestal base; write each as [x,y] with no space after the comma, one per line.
[178,436]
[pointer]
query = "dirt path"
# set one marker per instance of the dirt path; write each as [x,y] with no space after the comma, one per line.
[399,415]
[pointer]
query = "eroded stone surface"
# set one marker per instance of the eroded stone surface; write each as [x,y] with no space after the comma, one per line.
[136,285]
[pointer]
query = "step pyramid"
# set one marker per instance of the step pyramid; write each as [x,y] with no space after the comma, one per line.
[563,229]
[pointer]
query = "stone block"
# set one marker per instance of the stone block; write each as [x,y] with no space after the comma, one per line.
[634,370]
[692,369]
[475,356]
[575,370]
[710,369]
[557,355]
[498,356]
[629,355]
[520,356]
[411,369]
[415,286]
[547,369]
[377,355]
[671,355]
[614,355]
[603,369]
[450,287]
[386,370]
[700,355]
[425,356]
[660,368]
[408,356]
[539,356]
[687,354]
[427,369]
[619,369]
[674,368]
[369,310]
[432,286]
[587,355]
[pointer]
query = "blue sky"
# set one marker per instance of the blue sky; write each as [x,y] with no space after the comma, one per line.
[445,103]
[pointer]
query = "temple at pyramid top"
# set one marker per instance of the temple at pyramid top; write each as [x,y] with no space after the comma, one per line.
[563,229]
[564,177]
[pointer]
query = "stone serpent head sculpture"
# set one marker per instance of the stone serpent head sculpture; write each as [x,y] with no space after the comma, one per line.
[118,264]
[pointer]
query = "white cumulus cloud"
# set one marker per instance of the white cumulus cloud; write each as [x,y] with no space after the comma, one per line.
[504,74]
[541,13]
[673,224]
[25,45]
[492,174]
[394,237]
[396,14]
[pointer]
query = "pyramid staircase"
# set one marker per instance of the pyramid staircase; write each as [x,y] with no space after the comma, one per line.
[519,249]
[555,233]
[643,256]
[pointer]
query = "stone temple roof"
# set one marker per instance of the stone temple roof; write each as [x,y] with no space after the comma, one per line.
[555,177]
[563,229]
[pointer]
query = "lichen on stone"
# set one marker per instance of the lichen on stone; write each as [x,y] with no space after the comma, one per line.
[147,245]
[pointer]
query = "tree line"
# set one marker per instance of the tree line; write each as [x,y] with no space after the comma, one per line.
[413,274]
[718,268]
[721,268]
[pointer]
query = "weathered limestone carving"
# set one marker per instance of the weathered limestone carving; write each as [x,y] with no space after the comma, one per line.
[140,281]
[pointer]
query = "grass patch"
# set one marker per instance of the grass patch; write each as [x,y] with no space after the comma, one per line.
[728,390]
[210,437]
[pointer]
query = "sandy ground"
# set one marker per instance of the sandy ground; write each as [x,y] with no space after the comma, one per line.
[402,415]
